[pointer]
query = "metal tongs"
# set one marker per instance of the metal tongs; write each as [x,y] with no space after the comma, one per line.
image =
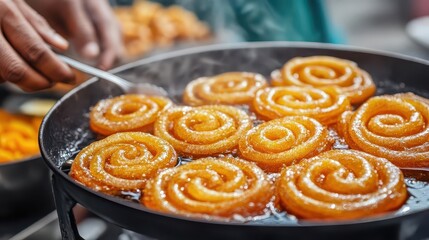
[126,86]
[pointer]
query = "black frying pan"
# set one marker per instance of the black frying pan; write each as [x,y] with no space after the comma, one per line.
[65,130]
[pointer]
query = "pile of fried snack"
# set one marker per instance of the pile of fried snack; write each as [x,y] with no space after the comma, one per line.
[147,25]
[18,136]
[314,142]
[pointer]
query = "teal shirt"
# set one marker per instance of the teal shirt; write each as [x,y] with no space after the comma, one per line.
[264,20]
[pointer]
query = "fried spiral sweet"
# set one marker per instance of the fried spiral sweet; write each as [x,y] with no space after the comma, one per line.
[394,127]
[321,71]
[202,131]
[284,141]
[130,112]
[341,184]
[410,95]
[122,162]
[216,187]
[324,104]
[228,88]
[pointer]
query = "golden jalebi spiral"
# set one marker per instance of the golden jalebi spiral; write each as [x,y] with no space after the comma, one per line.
[216,187]
[410,95]
[321,71]
[394,127]
[341,184]
[203,131]
[122,162]
[324,104]
[130,112]
[284,141]
[228,88]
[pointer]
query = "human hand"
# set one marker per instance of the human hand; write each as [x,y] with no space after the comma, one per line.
[25,58]
[89,24]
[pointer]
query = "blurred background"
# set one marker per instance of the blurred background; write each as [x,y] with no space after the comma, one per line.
[377,24]
[382,24]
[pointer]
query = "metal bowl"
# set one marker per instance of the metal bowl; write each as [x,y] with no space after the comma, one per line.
[25,188]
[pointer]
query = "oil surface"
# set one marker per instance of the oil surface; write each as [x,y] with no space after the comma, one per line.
[417,180]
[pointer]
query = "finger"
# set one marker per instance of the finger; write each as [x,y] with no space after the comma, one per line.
[14,69]
[108,32]
[81,29]
[41,26]
[29,45]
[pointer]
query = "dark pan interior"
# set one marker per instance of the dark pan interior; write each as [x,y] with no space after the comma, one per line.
[65,130]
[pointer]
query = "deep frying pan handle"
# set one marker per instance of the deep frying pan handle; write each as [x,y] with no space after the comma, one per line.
[64,205]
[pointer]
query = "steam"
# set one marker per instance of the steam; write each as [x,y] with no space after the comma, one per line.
[175,73]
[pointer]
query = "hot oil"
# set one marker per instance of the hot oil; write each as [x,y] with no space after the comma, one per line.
[132,196]
[416,180]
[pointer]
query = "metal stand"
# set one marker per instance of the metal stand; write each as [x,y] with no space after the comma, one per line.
[65,206]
